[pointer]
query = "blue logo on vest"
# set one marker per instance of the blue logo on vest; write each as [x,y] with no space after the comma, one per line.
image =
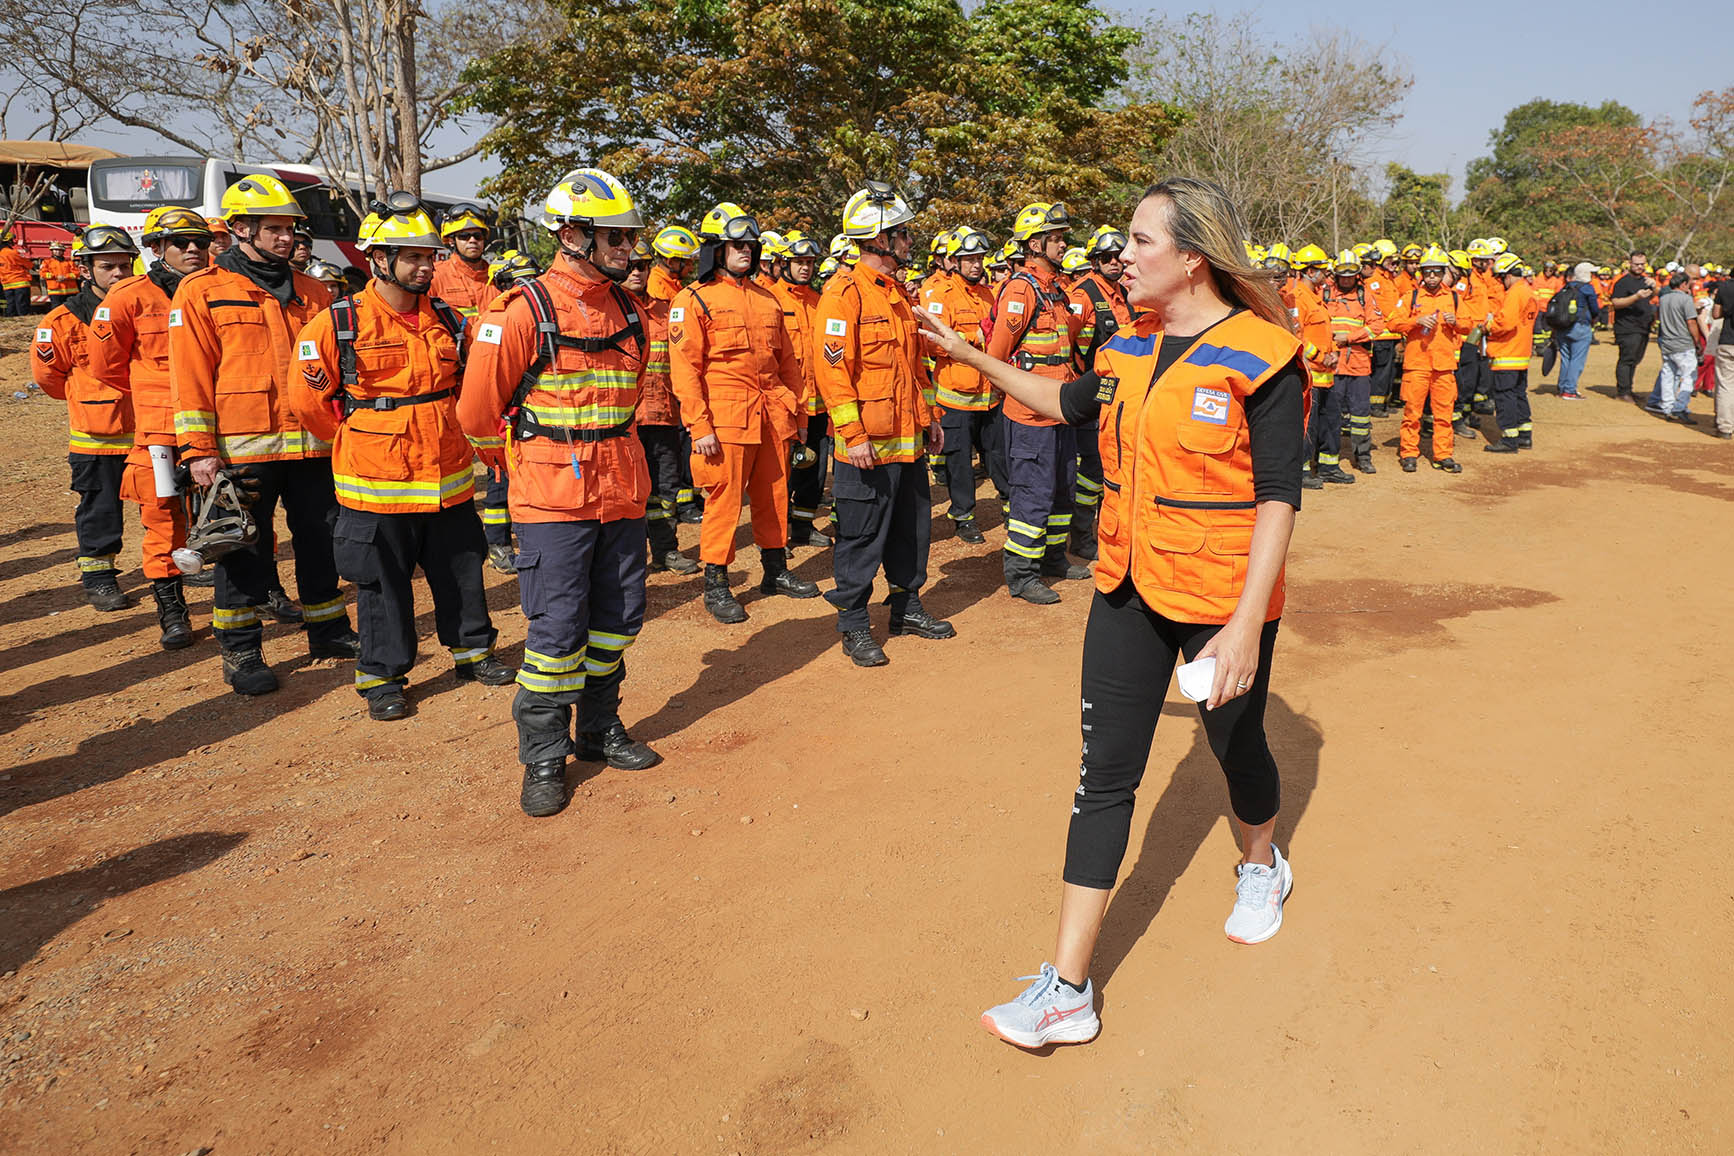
[1210,405]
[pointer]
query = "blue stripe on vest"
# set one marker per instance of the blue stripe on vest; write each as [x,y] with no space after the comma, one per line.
[1135,345]
[1242,362]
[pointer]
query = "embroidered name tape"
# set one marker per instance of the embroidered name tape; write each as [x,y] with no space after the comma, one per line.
[1210,405]
[836,327]
[489,334]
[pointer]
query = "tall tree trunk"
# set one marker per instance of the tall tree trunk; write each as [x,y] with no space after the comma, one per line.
[408,119]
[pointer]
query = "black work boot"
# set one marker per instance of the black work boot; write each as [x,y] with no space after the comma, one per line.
[1023,580]
[616,748]
[1508,445]
[1055,564]
[387,705]
[345,645]
[280,606]
[206,578]
[717,598]
[245,670]
[777,578]
[102,590]
[1311,480]
[172,614]
[1465,427]
[1364,463]
[488,670]
[1335,473]
[1084,533]
[665,549]
[968,531]
[801,533]
[544,790]
[862,650]
[914,619]
[1526,440]
[1449,465]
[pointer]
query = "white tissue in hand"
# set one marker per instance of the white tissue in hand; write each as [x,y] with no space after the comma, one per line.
[1196,678]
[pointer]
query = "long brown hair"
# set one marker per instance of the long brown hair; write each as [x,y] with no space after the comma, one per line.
[1203,220]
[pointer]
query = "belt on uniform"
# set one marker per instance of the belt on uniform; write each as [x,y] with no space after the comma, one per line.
[526,427]
[1028,361]
[351,404]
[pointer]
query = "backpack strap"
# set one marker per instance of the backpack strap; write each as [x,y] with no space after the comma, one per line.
[455,325]
[1106,320]
[549,339]
[343,329]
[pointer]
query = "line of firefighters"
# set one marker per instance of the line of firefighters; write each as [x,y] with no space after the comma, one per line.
[632,386]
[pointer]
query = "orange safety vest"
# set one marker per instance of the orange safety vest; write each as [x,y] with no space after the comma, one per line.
[231,352]
[572,457]
[130,352]
[731,362]
[99,415]
[1355,321]
[868,364]
[965,308]
[1035,329]
[465,289]
[1178,506]
[657,404]
[1511,333]
[398,447]
[798,302]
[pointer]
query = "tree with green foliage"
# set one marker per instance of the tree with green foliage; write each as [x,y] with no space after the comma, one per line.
[1416,207]
[788,106]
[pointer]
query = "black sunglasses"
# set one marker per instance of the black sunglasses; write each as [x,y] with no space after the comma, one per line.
[616,236]
[190,242]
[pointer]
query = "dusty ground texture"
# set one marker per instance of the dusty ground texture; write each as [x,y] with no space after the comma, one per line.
[271,926]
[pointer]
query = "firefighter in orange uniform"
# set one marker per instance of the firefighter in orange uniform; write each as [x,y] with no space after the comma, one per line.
[1433,323]
[966,400]
[1384,281]
[378,378]
[1318,352]
[1035,329]
[869,365]
[739,384]
[1510,343]
[659,427]
[794,291]
[675,249]
[232,330]
[15,276]
[129,352]
[59,275]
[1355,322]
[1099,299]
[99,415]
[564,354]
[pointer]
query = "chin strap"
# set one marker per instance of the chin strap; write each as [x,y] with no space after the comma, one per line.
[390,275]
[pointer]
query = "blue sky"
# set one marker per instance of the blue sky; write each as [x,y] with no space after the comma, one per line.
[1472,60]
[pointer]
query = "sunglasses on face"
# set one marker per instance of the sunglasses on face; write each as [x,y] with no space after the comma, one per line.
[617,236]
[200,243]
[637,266]
[471,235]
[901,233]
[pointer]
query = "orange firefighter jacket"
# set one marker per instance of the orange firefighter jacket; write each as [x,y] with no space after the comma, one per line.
[1313,324]
[389,455]
[1178,503]
[657,404]
[129,351]
[465,289]
[1384,290]
[1355,323]
[14,269]
[1035,329]
[231,354]
[964,307]
[1437,350]
[557,475]
[732,364]
[59,277]
[663,284]
[99,415]
[798,302]
[868,363]
[1102,306]
[1511,334]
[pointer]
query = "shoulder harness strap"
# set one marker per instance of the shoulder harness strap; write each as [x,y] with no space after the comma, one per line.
[343,329]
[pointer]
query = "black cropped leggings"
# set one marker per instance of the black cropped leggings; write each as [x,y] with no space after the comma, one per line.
[1130,653]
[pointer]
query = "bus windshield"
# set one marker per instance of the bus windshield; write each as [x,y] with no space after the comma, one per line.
[138,186]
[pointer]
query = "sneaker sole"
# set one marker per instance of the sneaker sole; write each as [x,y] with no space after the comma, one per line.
[1080,1033]
[1287,890]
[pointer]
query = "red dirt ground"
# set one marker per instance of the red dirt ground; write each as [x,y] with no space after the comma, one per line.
[271,926]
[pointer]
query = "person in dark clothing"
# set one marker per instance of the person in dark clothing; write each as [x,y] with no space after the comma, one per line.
[1634,303]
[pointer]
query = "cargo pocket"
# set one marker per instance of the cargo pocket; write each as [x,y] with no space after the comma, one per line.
[854,502]
[243,404]
[1229,551]
[1171,552]
[354,550]
[371,445]
[104,414]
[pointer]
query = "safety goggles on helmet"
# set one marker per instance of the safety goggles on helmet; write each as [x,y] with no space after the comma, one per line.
[1435,258]
[106,240]
[729,222]
[797,244]
[400,221]
[966,242]
[174,221]
[1040,217]
[1106,244]
[462,217]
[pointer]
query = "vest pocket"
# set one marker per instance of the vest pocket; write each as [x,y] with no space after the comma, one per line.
[106,415]
[241,330]
[373,446]
[243,404]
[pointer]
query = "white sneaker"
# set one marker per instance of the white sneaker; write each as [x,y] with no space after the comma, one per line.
[1048,1012]
[1258,899]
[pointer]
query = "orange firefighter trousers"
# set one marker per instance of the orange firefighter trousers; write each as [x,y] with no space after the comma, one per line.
[1419,385]
[758,473]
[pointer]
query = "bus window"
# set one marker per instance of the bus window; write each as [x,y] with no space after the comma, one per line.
[128,185]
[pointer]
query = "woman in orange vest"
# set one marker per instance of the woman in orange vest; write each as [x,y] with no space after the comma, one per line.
[1201,403]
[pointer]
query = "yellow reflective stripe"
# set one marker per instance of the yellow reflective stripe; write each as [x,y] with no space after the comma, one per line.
[81,441]
[1059,520]
[1510,362]
[602,640]
[583,417]
[548,664]
[489,443]
[1088,485]
[845,413]
[464,656]
[368,681]
[1024,551]
[600,669]
[1014,526]
[260,445]
[550,683]
[323,611]
[89,564]
[237,619]
[1323,378]
[195,421]
[427,493]
[496,516]
[896,446]
[952,399]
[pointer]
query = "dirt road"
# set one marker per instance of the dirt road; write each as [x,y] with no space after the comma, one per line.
[271,926]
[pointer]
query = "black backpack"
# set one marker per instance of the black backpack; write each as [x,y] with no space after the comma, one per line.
[1562,308]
